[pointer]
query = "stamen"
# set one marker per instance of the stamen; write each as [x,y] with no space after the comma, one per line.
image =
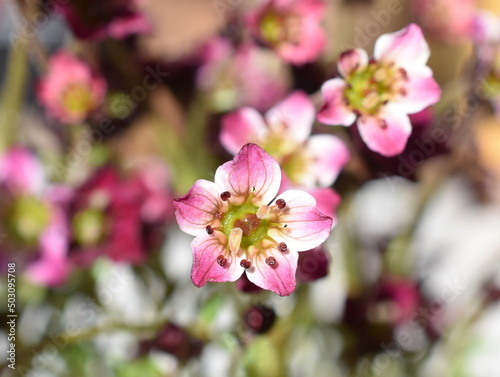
[225,196]
[380,74]
[235,239]
[282,247]
[271,261]
[209,229]
[221,260]
[371,100]
[263,212]
[403,73]
[245,263]
[280,203]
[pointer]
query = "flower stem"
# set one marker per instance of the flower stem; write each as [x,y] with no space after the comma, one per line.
[14,90]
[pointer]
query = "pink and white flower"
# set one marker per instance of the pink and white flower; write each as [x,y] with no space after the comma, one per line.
[486,28]
[291,28]
[284,132]
[487,48]
[33,217]
[70,91]
[379,93]
[244,76]
[455,27]
[241,225]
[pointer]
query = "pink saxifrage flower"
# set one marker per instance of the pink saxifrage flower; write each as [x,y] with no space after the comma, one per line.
[487,47]
[120,217]
[241,225]
[246,75]
[32,214]
[455,26]
[380,92]
[285,133]
[291,28]
[70,91]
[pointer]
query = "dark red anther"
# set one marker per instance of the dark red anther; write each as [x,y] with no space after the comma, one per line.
[225,196]
[282,247]
[280,203]
[271,261]
[403,73]
[209,229]
[245,264]
[221,260]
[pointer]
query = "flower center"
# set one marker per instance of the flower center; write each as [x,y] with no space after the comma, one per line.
[77,98]
[295,165]
[244,217]
[90,227]
[375,85]
[29,217]
[492,83]
[276,143]
[277,28]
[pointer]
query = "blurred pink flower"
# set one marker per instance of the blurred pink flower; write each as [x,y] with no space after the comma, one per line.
[97,20]
[448,20]
[121,218]
[487,48]
[70,91]
[291,28]
[285,133]
[239,229]
[33,218]
[379,93]
[486,28]
[245,76]
[20,171]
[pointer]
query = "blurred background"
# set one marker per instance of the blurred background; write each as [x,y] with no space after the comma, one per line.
[110,109]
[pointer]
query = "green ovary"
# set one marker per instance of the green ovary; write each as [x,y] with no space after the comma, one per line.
[244,217]
[89,227]
[295,165]
[77,99]
[371,87]
[29,217]
[271,28]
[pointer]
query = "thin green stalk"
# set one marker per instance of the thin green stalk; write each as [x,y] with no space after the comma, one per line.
[13,91]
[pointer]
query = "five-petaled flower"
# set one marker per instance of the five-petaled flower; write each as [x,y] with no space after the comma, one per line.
[290,27]
[285,133]
[70,90]
[242,226]
[380,92]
